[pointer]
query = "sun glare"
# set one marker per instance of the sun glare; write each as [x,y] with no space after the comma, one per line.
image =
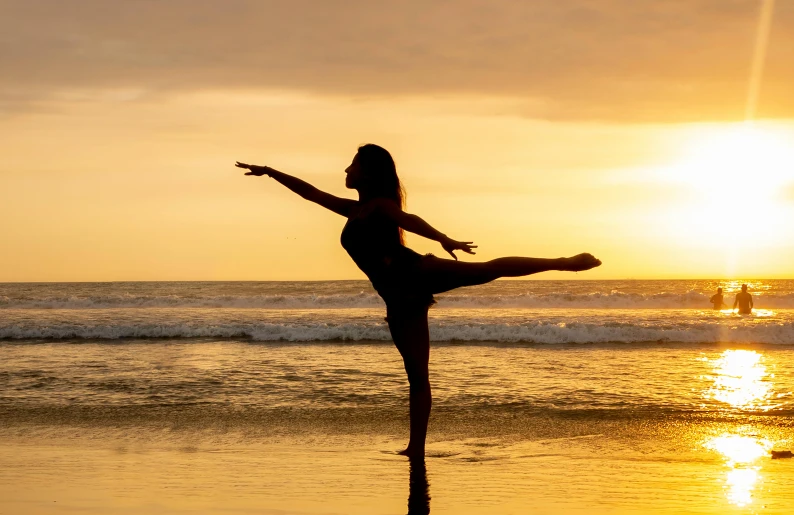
[742,162]
[735,177]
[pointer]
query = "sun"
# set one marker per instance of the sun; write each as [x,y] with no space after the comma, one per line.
[738,162]
[734,177]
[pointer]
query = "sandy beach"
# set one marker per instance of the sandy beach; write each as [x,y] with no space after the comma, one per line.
[663,469]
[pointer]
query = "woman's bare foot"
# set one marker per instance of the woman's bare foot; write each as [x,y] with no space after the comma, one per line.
[412,453]
[579,263]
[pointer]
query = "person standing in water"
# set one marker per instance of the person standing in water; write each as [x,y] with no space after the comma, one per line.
[718,299]
[406,280]
[744,300]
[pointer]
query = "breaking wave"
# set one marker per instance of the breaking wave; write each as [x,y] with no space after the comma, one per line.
[529,332]
[611,300]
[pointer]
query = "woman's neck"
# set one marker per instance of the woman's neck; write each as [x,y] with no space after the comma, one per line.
[365,195]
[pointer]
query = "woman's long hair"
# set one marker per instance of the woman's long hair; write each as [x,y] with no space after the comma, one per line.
[378,167]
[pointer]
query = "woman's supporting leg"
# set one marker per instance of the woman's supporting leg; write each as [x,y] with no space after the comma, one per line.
[446,274]
[412,338]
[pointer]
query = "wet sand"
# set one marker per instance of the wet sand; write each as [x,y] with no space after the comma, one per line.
[100,471]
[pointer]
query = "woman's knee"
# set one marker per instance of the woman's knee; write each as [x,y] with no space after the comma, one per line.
[418,374]
[416,366]
[419,384]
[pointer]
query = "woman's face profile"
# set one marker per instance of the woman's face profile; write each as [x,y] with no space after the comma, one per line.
[354,176]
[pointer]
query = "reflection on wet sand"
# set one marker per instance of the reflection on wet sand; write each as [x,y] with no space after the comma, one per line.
[418,488]
[741,381]
[741,454]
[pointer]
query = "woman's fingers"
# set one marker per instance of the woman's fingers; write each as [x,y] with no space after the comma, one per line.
[256,170]
[466,246]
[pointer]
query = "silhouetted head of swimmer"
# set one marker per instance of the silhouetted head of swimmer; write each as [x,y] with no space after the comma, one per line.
[744,287]
[719,290]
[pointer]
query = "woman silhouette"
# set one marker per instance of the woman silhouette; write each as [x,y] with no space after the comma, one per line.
[406,280]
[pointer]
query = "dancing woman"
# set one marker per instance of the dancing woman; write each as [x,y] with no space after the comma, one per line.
[406,280]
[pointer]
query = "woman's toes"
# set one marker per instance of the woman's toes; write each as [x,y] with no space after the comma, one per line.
[582,262]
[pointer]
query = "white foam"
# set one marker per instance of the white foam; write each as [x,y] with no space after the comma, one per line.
[361,300]
[534,332]
[612,300]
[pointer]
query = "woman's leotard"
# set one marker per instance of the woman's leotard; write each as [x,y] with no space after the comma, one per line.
[373,242]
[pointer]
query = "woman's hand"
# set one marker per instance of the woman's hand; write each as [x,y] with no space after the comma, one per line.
[254,169]
[449,245]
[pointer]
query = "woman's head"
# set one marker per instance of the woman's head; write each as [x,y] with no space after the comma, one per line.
[374,174]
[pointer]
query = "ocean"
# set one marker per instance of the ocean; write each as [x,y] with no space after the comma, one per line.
[548,396]
[536,312]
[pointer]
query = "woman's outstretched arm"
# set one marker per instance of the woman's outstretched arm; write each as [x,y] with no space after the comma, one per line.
[416,225]
[336,204]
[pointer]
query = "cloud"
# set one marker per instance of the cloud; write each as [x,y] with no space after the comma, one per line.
[619,60]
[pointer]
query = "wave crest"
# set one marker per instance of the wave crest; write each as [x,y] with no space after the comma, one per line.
[530,332]
[612,300]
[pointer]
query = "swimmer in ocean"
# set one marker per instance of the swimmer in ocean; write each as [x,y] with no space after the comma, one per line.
[744,300]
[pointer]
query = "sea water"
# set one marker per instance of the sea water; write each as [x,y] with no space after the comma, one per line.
[581,377]
[537,312]
[539,344]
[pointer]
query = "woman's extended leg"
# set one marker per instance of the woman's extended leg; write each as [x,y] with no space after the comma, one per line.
[440,275]
[412,338]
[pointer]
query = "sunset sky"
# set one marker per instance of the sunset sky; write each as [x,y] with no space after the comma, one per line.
[534,128]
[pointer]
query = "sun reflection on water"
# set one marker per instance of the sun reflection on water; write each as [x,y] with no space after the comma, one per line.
[764,313]
[739,449]
[741,381]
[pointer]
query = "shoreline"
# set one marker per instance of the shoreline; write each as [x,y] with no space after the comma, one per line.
[178,472]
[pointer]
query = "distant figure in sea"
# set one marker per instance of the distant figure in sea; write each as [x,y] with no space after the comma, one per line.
[744,300]
[717,299]
[406,280]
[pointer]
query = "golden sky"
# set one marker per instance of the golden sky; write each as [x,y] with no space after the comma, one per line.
[533,128]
